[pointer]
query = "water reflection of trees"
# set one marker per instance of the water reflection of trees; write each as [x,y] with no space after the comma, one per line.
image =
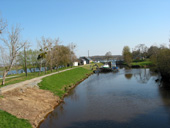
[128,76]
[143,76]
[164,91]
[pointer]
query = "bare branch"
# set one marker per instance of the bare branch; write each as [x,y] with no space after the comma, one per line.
[13,45]
[3,25]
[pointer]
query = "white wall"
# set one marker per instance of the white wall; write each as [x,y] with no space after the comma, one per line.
[75,64]
[84,62]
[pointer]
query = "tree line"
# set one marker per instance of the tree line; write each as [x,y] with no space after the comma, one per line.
[16,52]
[159,56]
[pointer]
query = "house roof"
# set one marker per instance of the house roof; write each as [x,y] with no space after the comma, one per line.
[86,58]
[83,59]
[89,58]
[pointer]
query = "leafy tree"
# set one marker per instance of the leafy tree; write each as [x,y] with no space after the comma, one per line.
[63,55]
[127,55]
[163,63]
[153,50]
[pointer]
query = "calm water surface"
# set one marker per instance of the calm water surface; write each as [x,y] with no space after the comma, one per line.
[127,99]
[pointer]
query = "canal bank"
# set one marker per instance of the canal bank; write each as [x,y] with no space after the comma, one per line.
[129,98]
[34,104]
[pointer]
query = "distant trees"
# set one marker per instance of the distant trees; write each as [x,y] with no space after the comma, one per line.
[31,58]
[160,57]
[53,55]
[140,51]
[108,55]
[127,55]
[10,49]
[23,57]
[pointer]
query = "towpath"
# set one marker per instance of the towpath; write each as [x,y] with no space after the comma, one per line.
[28,83]
[10,77]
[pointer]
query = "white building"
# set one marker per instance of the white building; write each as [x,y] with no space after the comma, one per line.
[83,61]
[75,64]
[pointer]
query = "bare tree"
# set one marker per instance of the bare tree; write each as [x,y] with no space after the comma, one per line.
[72,47]
[108,55]
[43,44]
[3,25]
[142,49]
[31,58]
[9,50]
[51,56]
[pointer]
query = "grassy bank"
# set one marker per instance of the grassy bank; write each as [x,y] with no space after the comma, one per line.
[141,64]
[60,83]
[9,121]
[21,77]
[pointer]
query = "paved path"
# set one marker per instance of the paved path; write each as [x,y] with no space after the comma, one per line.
[28,83]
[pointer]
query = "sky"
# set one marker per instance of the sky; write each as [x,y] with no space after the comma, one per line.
[95,25]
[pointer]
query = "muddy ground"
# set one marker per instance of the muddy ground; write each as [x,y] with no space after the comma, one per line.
[32,104]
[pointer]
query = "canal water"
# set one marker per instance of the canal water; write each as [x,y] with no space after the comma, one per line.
[126,99]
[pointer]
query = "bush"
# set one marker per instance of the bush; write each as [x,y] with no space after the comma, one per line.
[163,63]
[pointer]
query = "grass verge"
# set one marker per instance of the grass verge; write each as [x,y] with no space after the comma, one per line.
[22,77]
[60,83]
[9,121]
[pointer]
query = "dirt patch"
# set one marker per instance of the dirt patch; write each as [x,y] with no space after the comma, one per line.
[32,104]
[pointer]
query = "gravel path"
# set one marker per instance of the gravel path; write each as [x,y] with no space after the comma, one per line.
[10,77]
[28,83]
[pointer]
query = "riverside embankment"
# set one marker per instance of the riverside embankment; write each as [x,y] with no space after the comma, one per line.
[129,98]
[34,103]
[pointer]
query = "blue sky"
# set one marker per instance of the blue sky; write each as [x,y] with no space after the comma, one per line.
[95,25]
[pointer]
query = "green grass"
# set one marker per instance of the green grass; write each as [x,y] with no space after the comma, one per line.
[9,121]
[22,77]
[60,83]
[142,63]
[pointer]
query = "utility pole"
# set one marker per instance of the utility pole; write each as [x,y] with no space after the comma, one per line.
[88,53]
